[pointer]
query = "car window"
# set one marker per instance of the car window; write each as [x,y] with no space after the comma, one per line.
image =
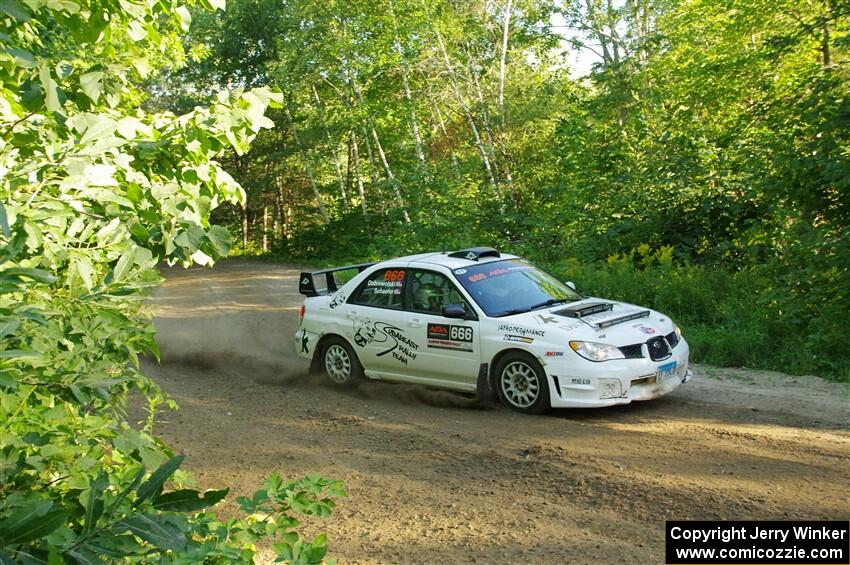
[430,291]
[512,286]
[382,289]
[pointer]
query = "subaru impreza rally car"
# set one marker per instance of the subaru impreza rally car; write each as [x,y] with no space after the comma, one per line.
[484,322]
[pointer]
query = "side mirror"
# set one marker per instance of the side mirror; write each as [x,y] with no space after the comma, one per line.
[454,311]
[570,284]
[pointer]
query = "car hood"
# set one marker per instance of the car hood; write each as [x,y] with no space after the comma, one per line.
[594,319]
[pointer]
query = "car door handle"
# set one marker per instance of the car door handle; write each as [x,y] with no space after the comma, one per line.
[414,323]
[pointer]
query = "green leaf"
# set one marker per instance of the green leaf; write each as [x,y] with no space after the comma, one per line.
[94,505]
[188,500]
[15,9]
[136,31]
[35,274]
[50,88]
[68,6]
[153,486]
[92,85]
[22,57]
[4,221]
[8,326]
[123,265]
[156,530]
[64,69]
[31,521]
[220,239]
[185,17]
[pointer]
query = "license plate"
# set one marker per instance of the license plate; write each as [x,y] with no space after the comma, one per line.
[666,371]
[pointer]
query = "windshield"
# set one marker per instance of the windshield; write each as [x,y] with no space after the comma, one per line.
[512,286]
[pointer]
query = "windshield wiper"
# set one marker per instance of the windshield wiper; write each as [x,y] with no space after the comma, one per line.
[549,302]
[510,312]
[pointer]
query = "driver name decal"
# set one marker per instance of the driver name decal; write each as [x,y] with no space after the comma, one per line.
[445,336]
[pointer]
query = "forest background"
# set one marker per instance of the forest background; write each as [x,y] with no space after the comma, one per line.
[701,166]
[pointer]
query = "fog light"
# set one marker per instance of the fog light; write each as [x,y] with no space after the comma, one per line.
[610,388]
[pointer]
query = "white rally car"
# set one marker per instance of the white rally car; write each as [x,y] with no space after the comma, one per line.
[481,321]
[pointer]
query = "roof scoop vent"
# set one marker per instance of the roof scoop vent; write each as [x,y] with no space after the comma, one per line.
[475,253]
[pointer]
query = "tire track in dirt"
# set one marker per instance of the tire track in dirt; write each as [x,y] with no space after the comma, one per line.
[437,477]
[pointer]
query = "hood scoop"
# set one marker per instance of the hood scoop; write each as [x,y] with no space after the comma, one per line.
[584,310]
[600,314]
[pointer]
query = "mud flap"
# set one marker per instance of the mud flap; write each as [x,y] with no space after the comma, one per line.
[316,361]
[483,390]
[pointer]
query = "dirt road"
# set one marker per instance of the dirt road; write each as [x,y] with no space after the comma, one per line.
[437,478]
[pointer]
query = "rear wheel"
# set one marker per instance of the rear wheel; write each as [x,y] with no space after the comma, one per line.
[340,363]
[522,384]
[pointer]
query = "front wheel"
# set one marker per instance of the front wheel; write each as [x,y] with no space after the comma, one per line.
[340,363]
[522,384]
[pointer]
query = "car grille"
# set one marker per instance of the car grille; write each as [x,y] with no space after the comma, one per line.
[672,339]
[658,348]
[634,351]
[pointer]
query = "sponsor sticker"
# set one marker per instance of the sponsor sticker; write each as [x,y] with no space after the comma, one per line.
[460,271]
[519,330]
[445,336]
[519,338]
[554,354]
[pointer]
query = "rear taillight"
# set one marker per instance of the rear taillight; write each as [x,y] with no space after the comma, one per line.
[301,313]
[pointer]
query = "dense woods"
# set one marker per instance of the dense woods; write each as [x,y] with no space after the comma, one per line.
[701,165]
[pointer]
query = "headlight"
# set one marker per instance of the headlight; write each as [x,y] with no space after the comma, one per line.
[678,331]
[596,351]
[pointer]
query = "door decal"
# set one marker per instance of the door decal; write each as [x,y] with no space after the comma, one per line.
[397,343]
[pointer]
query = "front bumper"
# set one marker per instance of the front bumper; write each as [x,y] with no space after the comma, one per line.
[616,382]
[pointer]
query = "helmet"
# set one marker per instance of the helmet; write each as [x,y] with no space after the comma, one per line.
[429,297]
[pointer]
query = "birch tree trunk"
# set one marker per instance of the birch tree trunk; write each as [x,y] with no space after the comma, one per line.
[308,168]
[414,126]
[332,146]
[245,224]
[417,139]
[265,228]
[391,177]
[387,169]
[356,163]
[434,107]
[467,112]
[502,63]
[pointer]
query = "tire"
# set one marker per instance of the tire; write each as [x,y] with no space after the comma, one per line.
[340,363]
[522,384]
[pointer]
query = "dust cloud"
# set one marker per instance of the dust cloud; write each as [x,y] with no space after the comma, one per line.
[238,320]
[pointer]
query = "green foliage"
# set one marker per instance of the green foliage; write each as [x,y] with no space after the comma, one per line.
[94,193]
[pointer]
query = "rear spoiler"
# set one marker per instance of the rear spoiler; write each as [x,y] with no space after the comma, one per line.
[307,281]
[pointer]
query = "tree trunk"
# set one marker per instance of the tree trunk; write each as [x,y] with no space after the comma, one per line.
[465,107]
[435,112]
[502,62]
[357,177]
[391,176]
[332,147]
[245,224]
[308,168]
[420,153]
[265,228]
